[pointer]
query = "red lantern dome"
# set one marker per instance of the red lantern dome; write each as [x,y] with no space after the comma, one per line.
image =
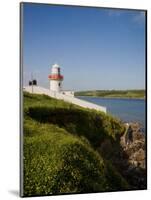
[55,77]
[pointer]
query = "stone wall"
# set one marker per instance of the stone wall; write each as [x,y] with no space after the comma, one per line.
[67,98]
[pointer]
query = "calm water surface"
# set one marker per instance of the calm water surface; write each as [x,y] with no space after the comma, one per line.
[128,110]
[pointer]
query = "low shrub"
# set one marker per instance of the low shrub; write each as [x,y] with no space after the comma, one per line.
[60,148]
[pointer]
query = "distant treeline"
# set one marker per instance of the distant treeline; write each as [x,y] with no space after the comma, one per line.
[113,93]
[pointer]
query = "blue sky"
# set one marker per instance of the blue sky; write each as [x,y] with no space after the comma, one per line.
[96,48]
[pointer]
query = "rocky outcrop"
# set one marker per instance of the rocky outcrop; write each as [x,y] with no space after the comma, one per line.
[128,155]
[133,144]
[134,151]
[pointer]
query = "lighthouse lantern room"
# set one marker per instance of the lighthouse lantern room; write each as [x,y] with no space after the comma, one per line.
[55,79]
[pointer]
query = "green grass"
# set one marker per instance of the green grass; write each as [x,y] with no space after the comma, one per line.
[113,93]
[61,144]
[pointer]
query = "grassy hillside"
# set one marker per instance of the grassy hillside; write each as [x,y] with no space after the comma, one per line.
[62,148]
[113,93]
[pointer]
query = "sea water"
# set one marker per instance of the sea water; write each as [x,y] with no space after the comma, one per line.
[128,110]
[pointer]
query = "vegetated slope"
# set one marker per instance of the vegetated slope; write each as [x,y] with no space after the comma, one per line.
[113,93]
[61,143]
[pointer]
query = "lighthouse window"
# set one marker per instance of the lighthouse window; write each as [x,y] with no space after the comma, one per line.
[59,84]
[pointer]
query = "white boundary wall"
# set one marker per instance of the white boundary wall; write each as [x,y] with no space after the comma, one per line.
[57,95]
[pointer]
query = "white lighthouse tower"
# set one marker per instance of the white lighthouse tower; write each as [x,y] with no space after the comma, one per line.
[55,78]
[56,91]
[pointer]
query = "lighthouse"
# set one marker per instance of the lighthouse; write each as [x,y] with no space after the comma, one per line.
[55,78]
[57,92]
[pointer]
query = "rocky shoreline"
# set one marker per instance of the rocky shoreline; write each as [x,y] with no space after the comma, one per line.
[134,156]
[128,155]
[134,145]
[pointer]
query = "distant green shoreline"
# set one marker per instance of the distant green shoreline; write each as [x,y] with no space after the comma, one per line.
[116,94]
[143,98]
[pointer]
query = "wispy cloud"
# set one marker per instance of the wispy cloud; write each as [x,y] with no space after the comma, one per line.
[139,18]
[114,12]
